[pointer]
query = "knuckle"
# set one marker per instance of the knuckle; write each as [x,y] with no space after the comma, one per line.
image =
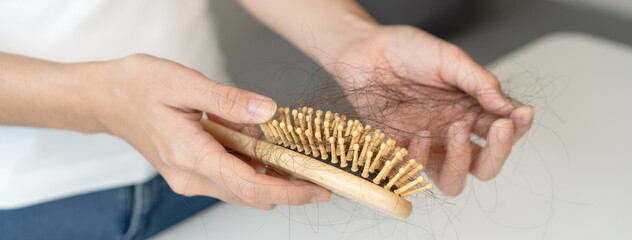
[490,85]
[485,176]
[452,60]
[267,207]
[226,99]
[180,161]
[180,187]
[251,194]
[453,51]
[138,57]
[141,55]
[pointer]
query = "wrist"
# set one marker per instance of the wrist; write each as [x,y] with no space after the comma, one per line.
[39,93]
[91,87]
[353,28]
[322,29]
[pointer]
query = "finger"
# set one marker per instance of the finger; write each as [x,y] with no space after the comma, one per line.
[230,103]
[522,118]
[476,151]
[248,129]
[458,69]
[241,179]
[496,151]
[197,185]
[482,123]
[419,149]
[189,183]
[451,179]
[271,189]
[257,165]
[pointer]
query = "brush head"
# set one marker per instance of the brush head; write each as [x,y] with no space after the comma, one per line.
[347,145]
[325,171]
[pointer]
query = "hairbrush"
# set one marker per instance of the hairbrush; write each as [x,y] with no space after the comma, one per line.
[345,156]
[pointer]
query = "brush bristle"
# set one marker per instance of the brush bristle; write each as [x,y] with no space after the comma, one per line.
[348,145]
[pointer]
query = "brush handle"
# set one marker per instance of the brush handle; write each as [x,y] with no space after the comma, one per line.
[337,180]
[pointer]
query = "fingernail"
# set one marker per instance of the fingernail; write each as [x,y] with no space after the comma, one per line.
[504,130]
[528,116]
[321,197]
[509,106]
[460,133]
[261,108]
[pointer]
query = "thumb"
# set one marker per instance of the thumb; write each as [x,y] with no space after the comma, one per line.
[459,70]
[232,103]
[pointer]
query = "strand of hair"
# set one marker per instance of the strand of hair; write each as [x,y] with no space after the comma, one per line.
[416,190]
[406,178]
[418,180]
[400,173]
[376,160]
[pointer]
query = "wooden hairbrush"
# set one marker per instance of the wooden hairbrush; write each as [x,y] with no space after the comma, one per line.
[346,157]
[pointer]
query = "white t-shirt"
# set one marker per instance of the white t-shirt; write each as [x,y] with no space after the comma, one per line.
[38,165]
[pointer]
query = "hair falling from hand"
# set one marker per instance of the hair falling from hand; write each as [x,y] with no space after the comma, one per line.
[434,123]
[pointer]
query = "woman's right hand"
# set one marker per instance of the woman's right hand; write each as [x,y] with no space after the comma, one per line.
[156,105]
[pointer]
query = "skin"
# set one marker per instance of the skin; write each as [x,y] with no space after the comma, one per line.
[406,55]
[359,52]
[155,104]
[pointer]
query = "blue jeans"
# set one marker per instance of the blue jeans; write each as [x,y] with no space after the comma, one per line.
[132,212]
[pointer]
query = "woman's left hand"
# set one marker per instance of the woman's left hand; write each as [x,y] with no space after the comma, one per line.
[414,66]
[422,88]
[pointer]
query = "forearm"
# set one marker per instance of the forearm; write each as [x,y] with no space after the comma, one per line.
[320,28]
[45,94]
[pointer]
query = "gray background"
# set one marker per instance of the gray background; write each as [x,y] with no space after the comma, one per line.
[261,61]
